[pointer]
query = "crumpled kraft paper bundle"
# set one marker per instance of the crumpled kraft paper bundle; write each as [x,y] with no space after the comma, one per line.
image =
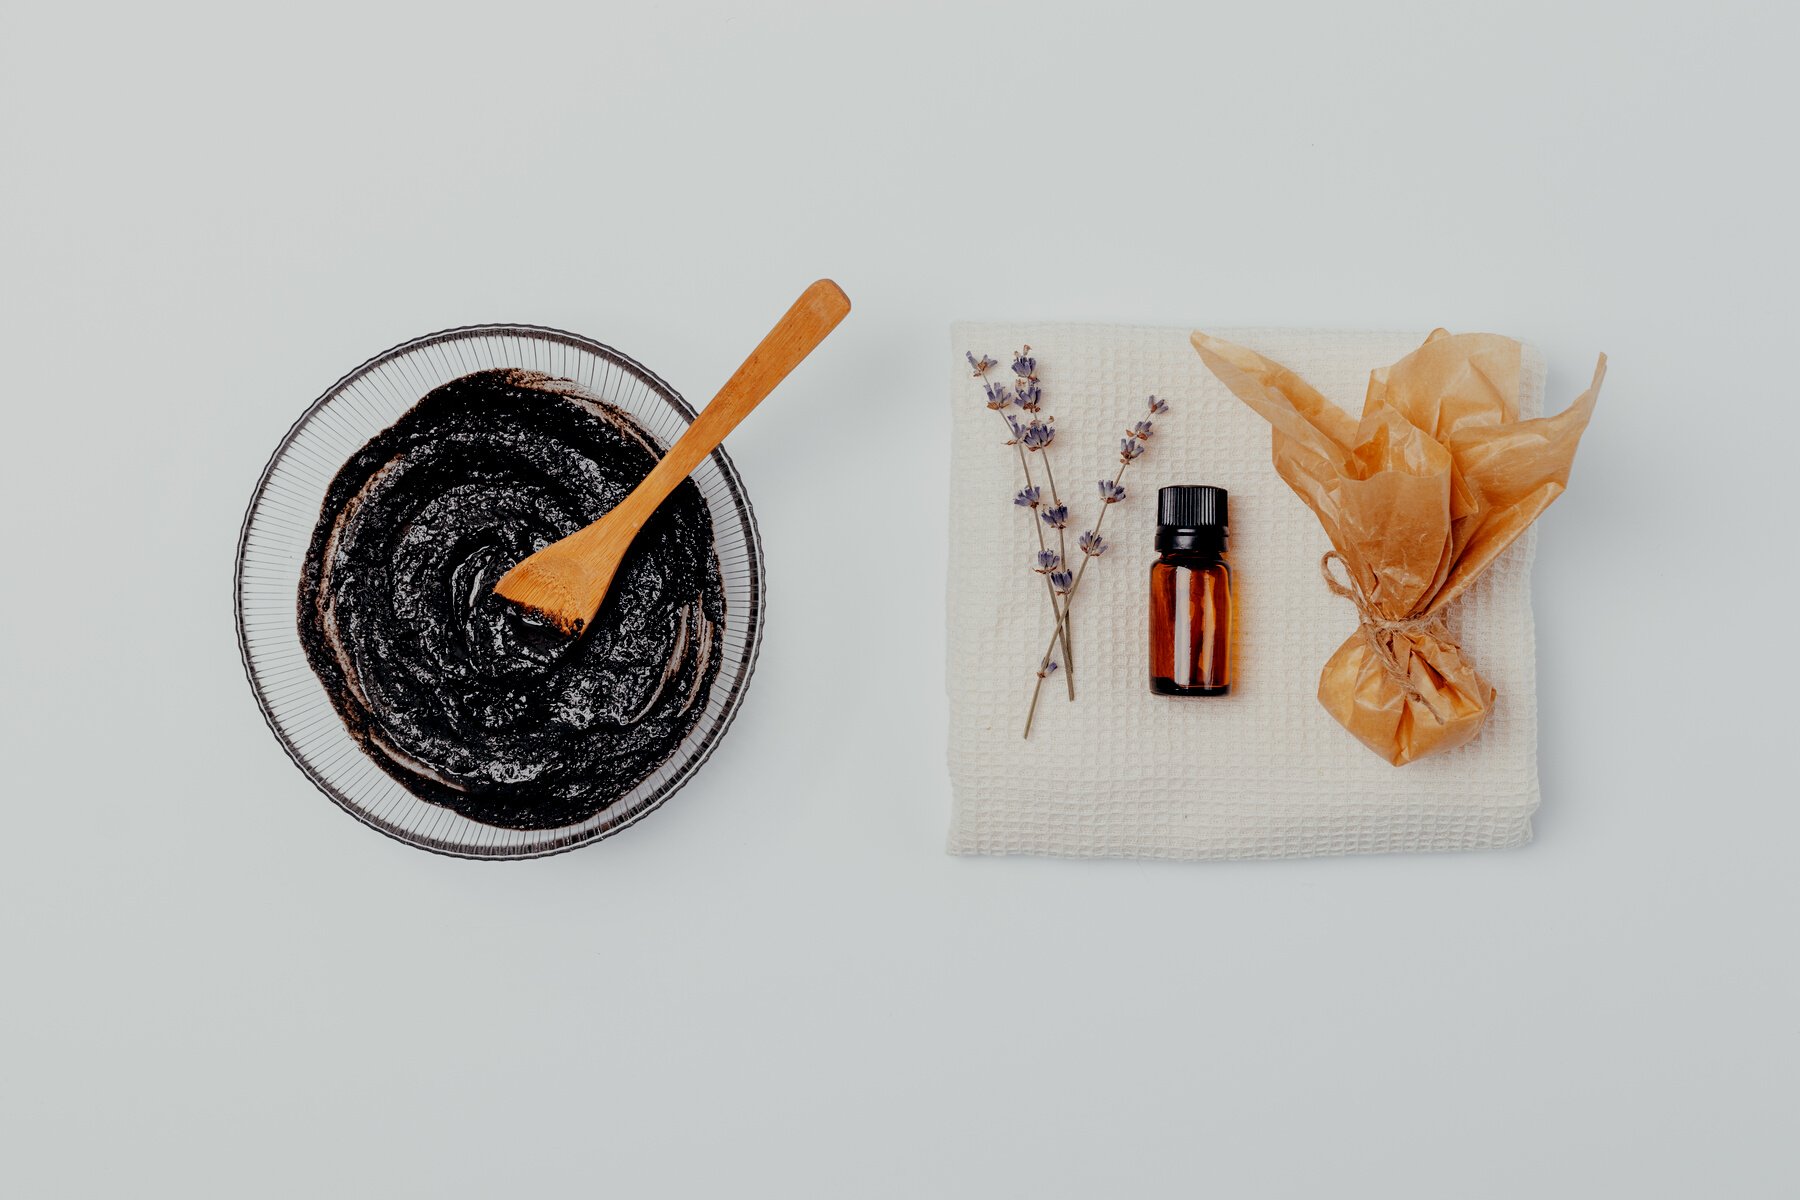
[1418,497]
[1265,772]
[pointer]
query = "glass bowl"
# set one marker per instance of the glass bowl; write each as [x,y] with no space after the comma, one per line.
[285,507]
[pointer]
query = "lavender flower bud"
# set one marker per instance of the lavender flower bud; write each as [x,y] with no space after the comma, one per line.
[1028,396]
[1056,517]
[1129,448]
[1029,497]
[1047,561]
[1092,544]
[1025,366]
[998,398]
[980,365]
[1062,581]
[1142,430]
[1048,669]
[1038,435]
[1110,492]
[1158,407]
[1018,430]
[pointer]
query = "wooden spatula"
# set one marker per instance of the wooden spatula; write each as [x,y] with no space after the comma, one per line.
[567,580]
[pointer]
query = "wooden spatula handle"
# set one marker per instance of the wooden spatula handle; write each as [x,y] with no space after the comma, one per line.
[815,314]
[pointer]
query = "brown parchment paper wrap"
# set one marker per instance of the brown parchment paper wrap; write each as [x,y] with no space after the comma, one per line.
[1418,497]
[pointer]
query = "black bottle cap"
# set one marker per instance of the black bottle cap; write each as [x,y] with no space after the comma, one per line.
[1192,506]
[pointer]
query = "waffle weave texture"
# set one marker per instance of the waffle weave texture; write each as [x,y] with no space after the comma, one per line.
[1265,772]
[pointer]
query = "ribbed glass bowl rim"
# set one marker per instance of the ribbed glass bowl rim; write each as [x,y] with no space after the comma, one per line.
[753,618]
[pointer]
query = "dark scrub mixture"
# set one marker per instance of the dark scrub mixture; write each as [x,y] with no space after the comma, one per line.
[465,698]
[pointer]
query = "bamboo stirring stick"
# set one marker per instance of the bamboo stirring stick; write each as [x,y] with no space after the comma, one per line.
[567,580]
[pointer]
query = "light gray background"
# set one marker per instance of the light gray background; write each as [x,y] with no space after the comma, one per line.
[212,982]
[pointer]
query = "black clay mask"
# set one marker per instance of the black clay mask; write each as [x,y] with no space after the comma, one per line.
[464,698]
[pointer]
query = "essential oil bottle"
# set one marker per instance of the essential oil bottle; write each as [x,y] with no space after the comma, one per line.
[1190,594]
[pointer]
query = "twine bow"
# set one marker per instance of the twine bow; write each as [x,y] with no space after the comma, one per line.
[1378,631]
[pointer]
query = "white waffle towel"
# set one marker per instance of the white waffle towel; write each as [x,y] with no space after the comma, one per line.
[1265,772]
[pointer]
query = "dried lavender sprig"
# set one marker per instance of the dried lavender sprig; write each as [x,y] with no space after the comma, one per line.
[1030,395]
[999,399]
[1035,437]
[1111,492]
[1068,593]
[1048,560]
[1031,497]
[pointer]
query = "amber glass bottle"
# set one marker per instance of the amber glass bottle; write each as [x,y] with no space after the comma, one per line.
[1190,594]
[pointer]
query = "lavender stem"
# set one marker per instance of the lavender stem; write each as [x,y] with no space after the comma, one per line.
[1062,546]
[1060,616]
[1068,603]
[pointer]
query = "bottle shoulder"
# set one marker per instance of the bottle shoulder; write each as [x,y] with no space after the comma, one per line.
[1193,561]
